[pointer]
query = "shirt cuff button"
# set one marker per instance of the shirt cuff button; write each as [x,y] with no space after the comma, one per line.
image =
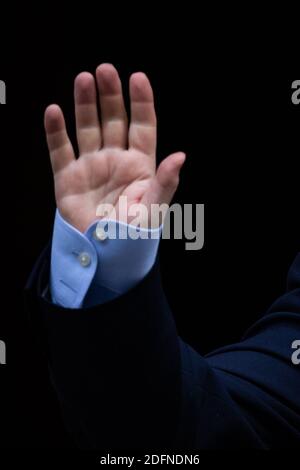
[84,259]
[100,234]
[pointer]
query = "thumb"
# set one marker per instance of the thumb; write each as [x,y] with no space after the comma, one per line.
[166,180]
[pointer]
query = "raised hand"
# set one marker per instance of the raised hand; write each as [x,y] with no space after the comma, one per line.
[114,159]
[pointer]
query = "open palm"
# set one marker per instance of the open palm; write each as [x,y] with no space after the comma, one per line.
[114,159]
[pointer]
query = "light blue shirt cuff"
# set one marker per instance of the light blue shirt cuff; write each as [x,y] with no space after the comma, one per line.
[92,268]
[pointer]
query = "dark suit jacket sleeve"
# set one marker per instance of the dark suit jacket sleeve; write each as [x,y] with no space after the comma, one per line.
[125,380]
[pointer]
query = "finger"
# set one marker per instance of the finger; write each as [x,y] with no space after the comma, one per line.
[60,148]
[87,119]
[166,181]
[142,132]
[113,113]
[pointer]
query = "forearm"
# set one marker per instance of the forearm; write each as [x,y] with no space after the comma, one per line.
[126,380]
[116,368]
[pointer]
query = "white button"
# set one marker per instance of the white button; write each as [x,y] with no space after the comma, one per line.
[100,234]
[84,259]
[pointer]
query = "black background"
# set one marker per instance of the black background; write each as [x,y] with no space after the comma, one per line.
[221,102]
